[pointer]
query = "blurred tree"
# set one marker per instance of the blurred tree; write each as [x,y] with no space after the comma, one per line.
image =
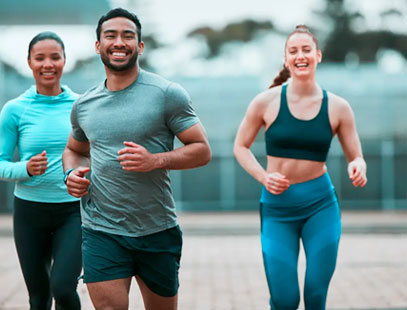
[150,43]
[391,12]
[367,44]
[243,31]
[344,39]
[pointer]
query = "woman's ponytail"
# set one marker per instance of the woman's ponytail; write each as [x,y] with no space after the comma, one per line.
[281,77]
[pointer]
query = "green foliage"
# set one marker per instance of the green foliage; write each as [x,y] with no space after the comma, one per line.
[365,45]
[150,44]
[343,39]
[243,31]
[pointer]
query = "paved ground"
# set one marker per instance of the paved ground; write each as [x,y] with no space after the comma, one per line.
[222,267]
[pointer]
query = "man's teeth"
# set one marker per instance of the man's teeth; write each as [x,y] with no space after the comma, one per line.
[119,54]
[302,65]
[48,73]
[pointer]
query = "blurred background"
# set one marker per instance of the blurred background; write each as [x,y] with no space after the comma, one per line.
[224,53]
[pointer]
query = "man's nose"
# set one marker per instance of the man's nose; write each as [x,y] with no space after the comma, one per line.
[118,41]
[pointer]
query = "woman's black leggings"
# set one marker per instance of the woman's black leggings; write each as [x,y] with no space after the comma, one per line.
[48,241]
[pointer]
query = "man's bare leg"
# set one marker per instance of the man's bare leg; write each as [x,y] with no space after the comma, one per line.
[110,295]
[152,301]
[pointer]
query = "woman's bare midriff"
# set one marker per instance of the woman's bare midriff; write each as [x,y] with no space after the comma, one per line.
[296,170]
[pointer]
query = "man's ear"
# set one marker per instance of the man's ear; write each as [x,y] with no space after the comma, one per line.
[141,48]
[97,46]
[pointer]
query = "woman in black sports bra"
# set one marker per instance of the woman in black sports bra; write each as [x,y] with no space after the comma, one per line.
[298,200]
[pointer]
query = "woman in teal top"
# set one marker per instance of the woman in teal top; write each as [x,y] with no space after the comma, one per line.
[46,218]
[298,201]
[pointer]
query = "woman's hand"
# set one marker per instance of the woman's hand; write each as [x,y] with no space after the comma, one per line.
[357,172]
[38,164]
[276,183]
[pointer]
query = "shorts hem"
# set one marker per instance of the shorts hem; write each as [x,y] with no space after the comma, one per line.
[159,291]
[106,278]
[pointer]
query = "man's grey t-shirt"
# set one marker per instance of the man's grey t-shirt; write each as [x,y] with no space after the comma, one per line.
[149,112]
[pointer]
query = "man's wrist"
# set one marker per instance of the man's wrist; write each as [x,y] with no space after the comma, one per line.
[67,172]
[158,161]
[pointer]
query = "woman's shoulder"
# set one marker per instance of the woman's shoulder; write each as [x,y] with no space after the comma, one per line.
[271,93]
[268,96]
[339,106]
[19,103]
[264,102]
[337,100]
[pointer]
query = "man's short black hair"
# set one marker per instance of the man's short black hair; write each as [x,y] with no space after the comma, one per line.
[119,12]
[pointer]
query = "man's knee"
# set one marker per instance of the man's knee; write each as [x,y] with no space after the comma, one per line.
[110,295]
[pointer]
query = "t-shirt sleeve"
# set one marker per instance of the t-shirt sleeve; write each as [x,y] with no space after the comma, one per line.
[77,132]
[9,170]
[179,112]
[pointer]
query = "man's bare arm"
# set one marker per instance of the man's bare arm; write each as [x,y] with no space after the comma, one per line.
[194,153]
[76,156]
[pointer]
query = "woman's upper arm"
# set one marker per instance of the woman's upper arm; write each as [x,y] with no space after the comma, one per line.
[8,133]
[347,133]
[251,123]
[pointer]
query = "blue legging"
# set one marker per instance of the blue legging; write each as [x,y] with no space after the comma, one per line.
[319,228]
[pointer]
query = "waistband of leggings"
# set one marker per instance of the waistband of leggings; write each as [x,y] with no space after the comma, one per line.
[300,192]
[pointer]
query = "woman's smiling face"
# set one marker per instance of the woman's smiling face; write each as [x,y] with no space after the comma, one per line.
[47,61]
[301,55]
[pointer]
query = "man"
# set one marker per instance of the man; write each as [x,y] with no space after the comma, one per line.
[124,130]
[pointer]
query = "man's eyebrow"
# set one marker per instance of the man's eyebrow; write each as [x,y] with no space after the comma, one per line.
[115,31]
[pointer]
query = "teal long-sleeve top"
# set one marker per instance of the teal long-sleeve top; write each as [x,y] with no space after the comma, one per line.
[33,123]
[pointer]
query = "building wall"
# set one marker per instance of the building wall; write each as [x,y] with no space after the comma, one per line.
[379,103]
